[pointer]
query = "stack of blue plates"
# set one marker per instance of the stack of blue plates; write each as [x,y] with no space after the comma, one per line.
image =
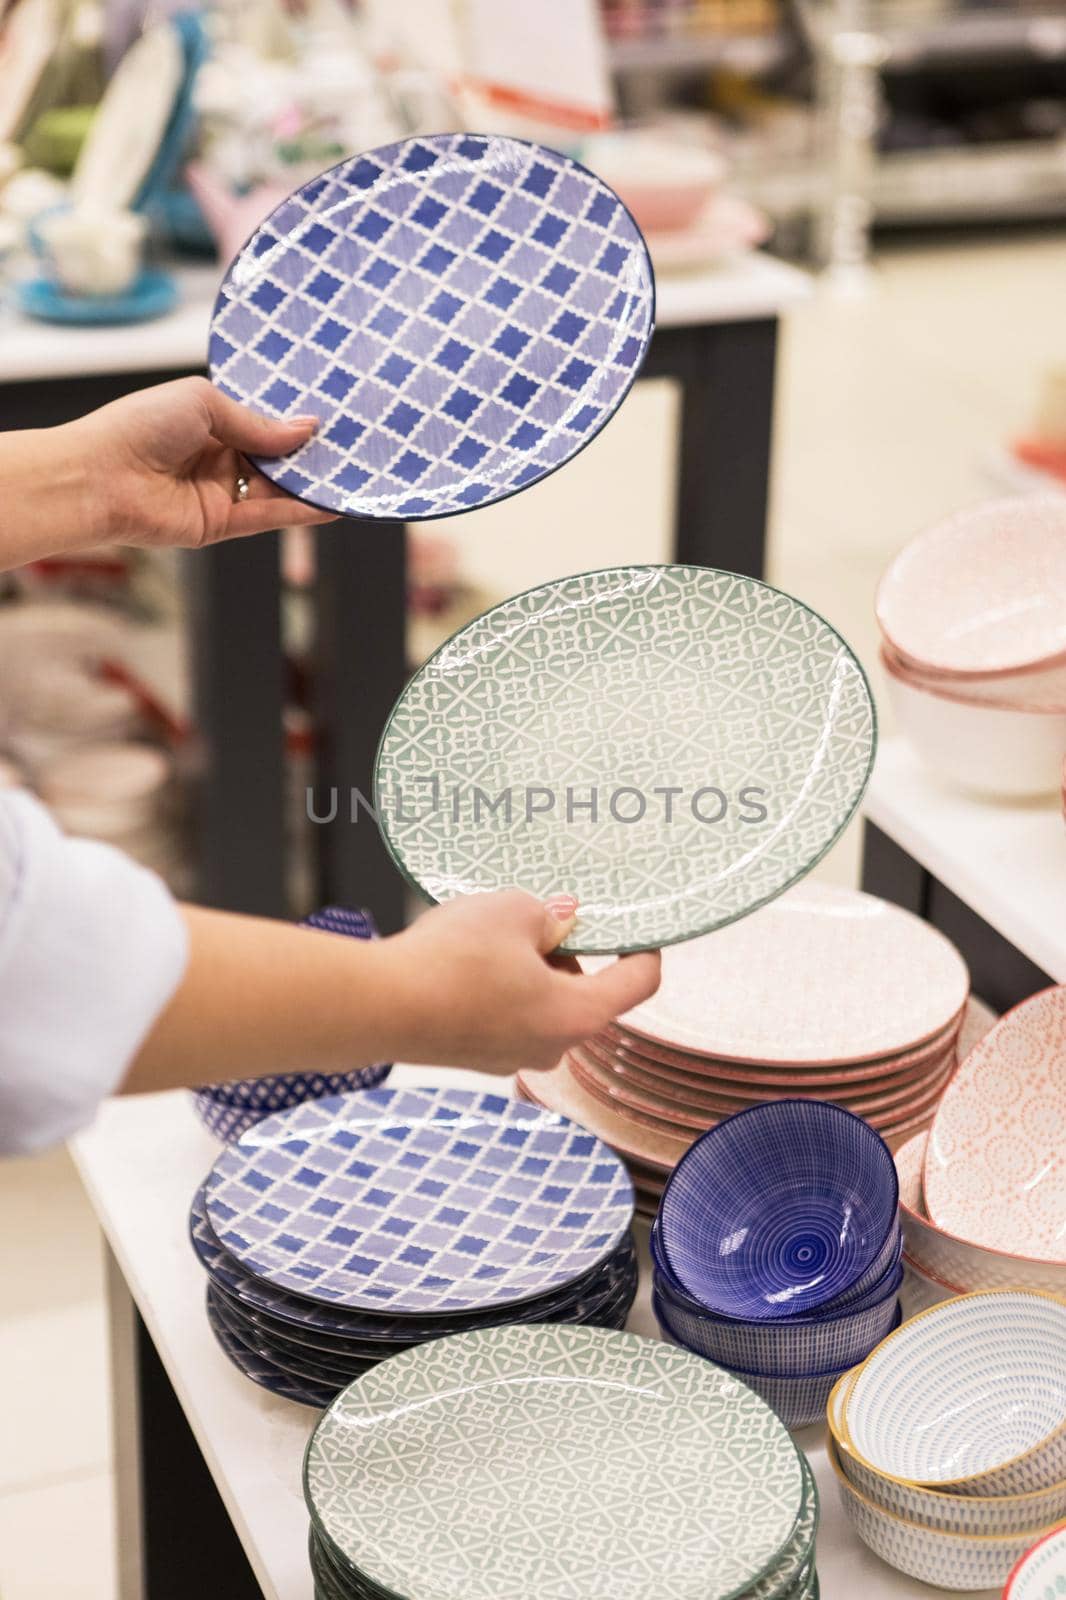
[348,1229]
[229,1109]
[777,1250]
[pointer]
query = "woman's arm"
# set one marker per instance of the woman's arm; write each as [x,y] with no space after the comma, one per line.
[159,467]
[467,985]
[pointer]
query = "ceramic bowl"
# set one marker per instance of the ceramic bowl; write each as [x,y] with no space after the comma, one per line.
[229,1109]
[797,1401]
[945,1560]
[994,1170]
[783,1208]
[981,593]
[1041,1572]
[963,1266]
[970,1395]
[933,1508]
[794,1347]
[983,748]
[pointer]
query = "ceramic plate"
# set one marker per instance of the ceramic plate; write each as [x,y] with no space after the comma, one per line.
[674,745]
[463,313]
[995,1165]
[558,1090]
[331,1327]
[1041,1572]
[823,976]
[984,592]
[265,1373]
[152,294]
[418,1201]
[127,130]
[613,1465]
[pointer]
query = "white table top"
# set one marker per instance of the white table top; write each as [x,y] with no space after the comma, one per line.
[141,1162]
[1006,860]
[756,286]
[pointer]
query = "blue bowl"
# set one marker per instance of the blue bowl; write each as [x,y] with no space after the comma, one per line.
[792,1348]
[779,1210]
[229,1109]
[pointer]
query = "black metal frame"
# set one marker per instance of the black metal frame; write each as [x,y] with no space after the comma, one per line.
[999,972]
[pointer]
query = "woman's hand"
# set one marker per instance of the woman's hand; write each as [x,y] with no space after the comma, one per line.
[167,461]
[478,987]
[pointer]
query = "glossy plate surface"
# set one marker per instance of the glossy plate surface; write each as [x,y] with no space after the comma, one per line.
[613,1465]
[463,314]
[995,1164]
[971,1392]
[824,975]
[416,1201]
[674,745]
[1041,1572]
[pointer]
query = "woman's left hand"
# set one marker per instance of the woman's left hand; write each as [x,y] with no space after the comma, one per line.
[166,464]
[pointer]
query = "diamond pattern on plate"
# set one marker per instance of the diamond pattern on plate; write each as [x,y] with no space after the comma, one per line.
[553,1463]
[417,1200]
[640,680]
[463,313]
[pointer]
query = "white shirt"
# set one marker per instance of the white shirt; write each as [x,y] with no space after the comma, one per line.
[92,947]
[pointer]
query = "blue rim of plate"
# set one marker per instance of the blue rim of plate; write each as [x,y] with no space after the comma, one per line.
[419,1201]
[264,1373]
[574,944]
[262,381]
[337,1322]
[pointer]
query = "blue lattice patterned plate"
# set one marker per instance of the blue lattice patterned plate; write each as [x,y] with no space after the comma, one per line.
[334,1327]
[419,1201]
[463,313]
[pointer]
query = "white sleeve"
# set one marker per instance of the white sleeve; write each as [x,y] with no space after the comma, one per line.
[91,949]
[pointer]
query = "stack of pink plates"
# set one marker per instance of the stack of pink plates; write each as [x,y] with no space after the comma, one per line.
[825,993]
[973,623]
[983,1196]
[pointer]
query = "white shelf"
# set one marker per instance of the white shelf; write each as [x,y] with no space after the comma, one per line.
[141,1163]
[1007,861]
[695,52]
[758,285]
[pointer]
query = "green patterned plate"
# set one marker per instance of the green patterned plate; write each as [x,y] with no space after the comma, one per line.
[674,745]
[553,1463]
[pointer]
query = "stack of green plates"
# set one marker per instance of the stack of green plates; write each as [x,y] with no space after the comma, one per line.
[555,1462]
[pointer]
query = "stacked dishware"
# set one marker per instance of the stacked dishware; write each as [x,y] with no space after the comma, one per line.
[949,1441]
[983,1195]
[345,1230]
[777,1250]
[515,1462]
[230,1108]
[973,621]
[826,993]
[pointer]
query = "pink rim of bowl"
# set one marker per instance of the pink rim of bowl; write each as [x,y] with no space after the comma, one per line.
[957,697]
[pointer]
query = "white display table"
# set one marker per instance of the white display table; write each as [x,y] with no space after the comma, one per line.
[141,1163]
[991,875]
[755,285]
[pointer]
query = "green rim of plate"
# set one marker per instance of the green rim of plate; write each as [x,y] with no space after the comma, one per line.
[426,858]
[715,1455]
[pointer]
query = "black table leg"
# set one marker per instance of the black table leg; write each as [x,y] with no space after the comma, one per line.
[726,374]
[999,973]
[360,668]
[235,614]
